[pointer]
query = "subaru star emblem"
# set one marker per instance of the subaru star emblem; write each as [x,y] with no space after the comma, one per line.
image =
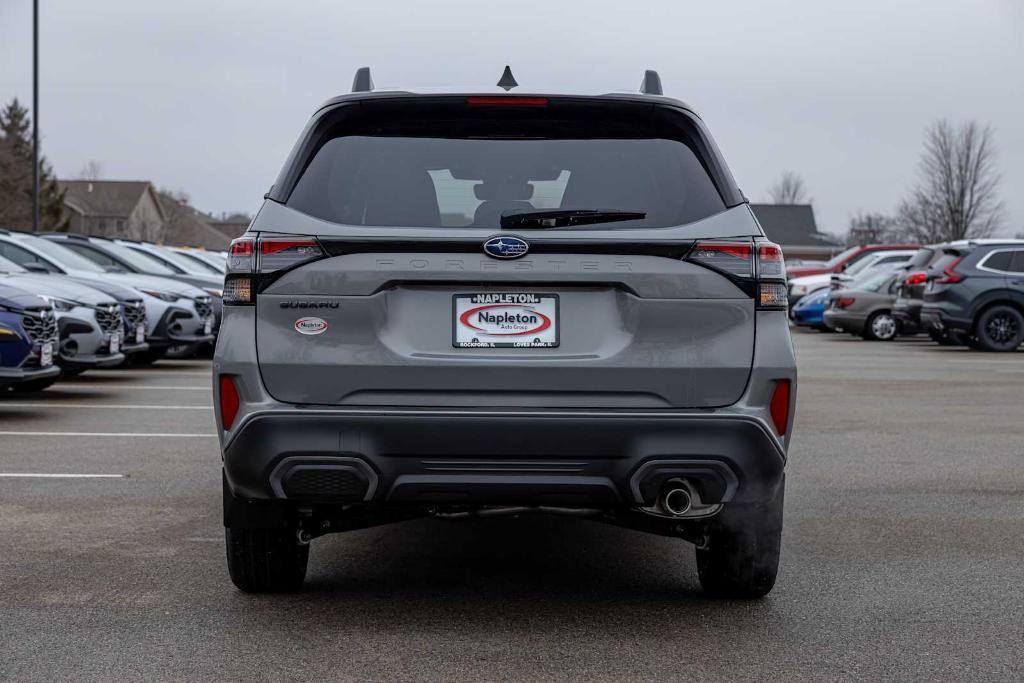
[506,246]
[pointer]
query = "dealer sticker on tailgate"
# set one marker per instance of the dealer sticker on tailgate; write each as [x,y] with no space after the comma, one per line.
[505,320]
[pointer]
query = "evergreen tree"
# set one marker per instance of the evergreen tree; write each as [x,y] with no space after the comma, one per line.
[16,176]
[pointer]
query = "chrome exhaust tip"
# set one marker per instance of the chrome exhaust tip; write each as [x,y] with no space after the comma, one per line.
[676,501]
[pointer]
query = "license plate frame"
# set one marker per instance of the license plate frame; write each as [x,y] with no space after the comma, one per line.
[115,343]
[46,355]
[208,326]
[140,334]
[544,305]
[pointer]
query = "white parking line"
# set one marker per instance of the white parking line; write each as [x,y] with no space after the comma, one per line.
[109,406]
[39,475]
[114,434]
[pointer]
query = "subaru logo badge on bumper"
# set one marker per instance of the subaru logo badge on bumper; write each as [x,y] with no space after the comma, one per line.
[506,246]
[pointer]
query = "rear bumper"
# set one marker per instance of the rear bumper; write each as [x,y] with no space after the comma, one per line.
[908,313]
[838,320]
[562,458]
[939,319]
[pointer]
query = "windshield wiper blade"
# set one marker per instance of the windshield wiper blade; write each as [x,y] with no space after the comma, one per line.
[560,218]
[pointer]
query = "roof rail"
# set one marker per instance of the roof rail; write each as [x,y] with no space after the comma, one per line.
[651,85]
[362,82]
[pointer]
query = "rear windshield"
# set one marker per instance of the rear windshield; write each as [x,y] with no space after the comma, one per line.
[466,169]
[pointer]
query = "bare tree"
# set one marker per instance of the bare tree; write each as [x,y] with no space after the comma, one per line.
[956,196]
[789,189]
[92,170]
[872,228]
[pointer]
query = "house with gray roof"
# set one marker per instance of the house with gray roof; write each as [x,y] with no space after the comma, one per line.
[114,208]
[793,227]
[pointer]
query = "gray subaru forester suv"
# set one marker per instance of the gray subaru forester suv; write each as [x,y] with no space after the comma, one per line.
[489,303]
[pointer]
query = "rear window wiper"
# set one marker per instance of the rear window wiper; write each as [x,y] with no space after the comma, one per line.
[560,218]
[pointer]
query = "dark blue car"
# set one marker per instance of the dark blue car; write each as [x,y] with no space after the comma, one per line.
[28,337]
[809,311]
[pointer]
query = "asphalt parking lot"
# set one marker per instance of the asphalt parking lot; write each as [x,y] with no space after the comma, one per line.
[903,555]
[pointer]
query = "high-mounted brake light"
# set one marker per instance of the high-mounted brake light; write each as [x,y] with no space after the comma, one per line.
[506,101]
[229,401]
[916,278]
[779,406]
[949,275]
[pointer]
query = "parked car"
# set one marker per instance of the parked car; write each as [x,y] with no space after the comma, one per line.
[865,307]
[870,263]
[847,258]
[975,293]
[617,347]
[209,259]
[28,338]
[176,314]
[809,310]
[119,255]
[89,322]
[910,292]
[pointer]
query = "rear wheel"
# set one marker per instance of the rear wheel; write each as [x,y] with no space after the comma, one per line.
[266,560]
[744,542]
[1000,328]
[881,326]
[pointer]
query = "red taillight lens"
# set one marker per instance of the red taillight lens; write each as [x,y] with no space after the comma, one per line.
[228,402]
[733,258]
[277,253]
[916,278]
[845,302]
[770,262]
[240,255]
[779,406]
[949,275]
[507,101]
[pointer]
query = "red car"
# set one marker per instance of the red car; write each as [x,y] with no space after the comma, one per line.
[840,261]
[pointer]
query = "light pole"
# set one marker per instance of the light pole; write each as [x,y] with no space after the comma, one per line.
[35,115]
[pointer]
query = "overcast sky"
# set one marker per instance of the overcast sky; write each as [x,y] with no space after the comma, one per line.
[208,97]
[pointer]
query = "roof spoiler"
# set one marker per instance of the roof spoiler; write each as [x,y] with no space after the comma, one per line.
[362,81]
[651,85]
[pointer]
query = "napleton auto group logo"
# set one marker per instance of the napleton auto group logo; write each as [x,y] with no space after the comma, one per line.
[310,326]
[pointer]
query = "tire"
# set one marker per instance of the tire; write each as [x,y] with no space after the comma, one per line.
[1000,328]
[744,542]
[881,326]
[148,357]
[34,385]
[266,560]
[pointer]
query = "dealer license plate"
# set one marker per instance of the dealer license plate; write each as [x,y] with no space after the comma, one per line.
[505,320]
[46,355]
[115,343]
[208,326]
[140,334]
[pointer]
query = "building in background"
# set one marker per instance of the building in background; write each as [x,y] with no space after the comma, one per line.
[793,227]
[114,208]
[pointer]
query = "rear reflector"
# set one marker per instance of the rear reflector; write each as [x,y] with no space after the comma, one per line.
[733,258]
[228,402]
[507,101]
[779,406]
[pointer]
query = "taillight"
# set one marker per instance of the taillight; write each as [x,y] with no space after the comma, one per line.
[732,258]
[249,258]
[761,264]
[845,302]
[228,402]
[949,275]
[916,278]
[779,406]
